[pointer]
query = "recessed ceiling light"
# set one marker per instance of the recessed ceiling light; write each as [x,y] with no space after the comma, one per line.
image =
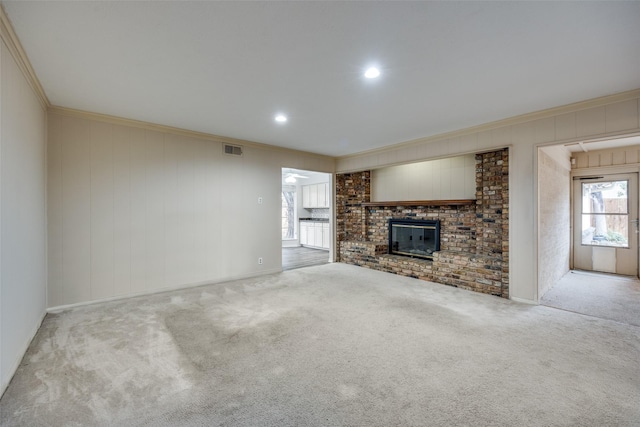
[372,73]
[280,118]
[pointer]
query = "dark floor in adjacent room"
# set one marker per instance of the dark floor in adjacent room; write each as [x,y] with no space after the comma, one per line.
[300,256]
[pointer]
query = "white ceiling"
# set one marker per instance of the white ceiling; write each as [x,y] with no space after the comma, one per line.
[311,176]
[227,68]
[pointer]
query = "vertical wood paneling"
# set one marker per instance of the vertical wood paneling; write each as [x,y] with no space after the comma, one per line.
[523,133]
[606,159]
[234,239]
[445,176]
[154,192]
[54,213]
[76,210]
[410,170]
[520,207]
[203,255]
[449,178]
[139,169]
[621,116]
[457,177]
[544,130]
[436,180]
[582,160]
[141,210]
[185,259]
[23,244]
[501,136]
[469,177]
[591,122]
[484,139]
[101,190]
[565,126]
[122,230]
[173,221]
[618,157]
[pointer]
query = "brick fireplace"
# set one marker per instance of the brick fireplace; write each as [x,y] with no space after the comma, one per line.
[474,239]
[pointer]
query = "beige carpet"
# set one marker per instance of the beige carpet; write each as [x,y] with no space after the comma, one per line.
[606,296]
[333,345]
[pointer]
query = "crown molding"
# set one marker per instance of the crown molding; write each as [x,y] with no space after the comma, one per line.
[12,42]
[70,112]
[511,121]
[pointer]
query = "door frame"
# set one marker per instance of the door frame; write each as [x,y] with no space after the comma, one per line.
[602,170]
[332,207]
[576,197]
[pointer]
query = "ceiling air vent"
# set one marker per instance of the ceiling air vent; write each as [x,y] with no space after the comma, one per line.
[233,150]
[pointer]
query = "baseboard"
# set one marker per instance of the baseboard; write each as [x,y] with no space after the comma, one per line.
[18,360]
[524,301]
[59,308]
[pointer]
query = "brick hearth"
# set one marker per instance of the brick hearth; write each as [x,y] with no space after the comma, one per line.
[474,239]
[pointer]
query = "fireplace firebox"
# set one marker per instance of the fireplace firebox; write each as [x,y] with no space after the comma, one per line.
[414,238]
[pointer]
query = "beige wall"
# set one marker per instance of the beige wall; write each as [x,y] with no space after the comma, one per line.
[135,210]
[22,214]
[609,116]
[442,179]
[554,216]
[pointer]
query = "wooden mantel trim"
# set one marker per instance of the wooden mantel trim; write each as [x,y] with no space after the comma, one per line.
[459,202]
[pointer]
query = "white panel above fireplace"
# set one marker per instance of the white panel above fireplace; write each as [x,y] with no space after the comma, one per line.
[442,179]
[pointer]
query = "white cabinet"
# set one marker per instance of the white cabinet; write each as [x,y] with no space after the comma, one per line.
[311,236]
[304,233]
[315,234]
[316,196]
[322,195]
[313,196]
[327,194]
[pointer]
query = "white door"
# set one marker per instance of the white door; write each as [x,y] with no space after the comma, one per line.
[605,227]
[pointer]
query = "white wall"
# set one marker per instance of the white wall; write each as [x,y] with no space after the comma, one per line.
[554,216]
[609,116]
[22,215]
[135,210]
[442,179]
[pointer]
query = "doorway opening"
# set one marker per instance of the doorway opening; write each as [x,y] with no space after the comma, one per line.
[587,228]
[307,228]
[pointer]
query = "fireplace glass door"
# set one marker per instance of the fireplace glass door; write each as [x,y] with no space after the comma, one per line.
[414,238]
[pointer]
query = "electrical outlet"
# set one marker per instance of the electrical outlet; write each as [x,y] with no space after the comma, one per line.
[259,200]
[260,260]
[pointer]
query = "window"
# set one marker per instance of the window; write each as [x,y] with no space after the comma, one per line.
[288,212]
[605,214]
